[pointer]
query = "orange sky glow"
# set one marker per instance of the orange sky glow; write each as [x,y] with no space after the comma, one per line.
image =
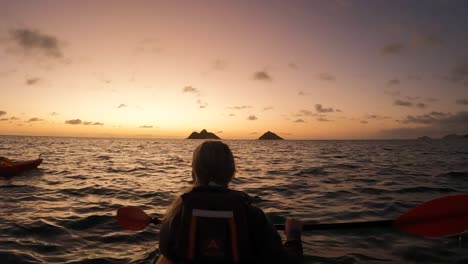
[302,69]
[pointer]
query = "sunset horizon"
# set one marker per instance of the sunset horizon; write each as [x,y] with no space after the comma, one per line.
[233,131]
[308,70]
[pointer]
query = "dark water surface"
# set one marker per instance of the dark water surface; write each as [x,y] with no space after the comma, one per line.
[64,212]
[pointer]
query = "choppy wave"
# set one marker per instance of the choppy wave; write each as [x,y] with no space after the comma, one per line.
[65,212]
[455,174]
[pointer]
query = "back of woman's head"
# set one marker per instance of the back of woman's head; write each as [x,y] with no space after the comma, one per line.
[213,162]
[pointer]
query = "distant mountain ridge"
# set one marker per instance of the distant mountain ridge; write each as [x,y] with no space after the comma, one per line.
[454,136]
[446,137]
[203,135]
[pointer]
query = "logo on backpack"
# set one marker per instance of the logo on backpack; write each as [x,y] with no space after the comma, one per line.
[213,248]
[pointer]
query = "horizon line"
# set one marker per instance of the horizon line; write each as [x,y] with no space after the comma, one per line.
[233,139]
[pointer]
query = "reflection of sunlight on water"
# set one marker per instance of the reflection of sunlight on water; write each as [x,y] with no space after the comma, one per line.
[82,182]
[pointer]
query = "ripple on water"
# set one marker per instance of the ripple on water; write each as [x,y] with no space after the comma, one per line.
[66,214]
[88,222]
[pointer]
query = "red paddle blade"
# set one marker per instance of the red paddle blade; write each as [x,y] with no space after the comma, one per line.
[132,218]
[445,216]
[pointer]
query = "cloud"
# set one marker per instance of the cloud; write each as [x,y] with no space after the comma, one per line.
[54,114]
[268,108]
[305,112]
[412,98]
[427,39]
[293,66]
[458,73]
[29,39]
[414,77]
[73,122]
[301,93]
[364,122]
[392,49]
[219,65]
[122,106]
[11,119]
[145,126]
[7,72]
[3,113]
[425,119]
[421,105]
[376,117]
[252,117]
[429,118]
[87,123]
[201,103]
[35,119]
[403,103]
[240,107]
[431,124]
[323,119]
[148,45]
[321,109]
[300,120]
[460,70]
[231,114]
[392,93]
[327,77]
[32,81]
[190,89]
[393,82]
[462,101]
[431,100]
[262,76]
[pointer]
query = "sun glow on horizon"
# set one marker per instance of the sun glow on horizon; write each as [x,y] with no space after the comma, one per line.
[304,70]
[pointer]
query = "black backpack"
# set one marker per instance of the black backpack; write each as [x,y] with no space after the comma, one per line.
[214,226]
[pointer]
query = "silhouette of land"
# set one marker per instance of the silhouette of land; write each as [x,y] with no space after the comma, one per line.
[270,136]
[454,136]
[203,135]
[446,137]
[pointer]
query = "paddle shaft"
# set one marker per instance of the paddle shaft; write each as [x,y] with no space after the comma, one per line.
[349,225]
[440,217]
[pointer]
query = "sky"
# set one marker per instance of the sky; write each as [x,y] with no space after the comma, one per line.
[301,69]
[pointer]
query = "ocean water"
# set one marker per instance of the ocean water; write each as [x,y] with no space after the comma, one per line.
[65,211]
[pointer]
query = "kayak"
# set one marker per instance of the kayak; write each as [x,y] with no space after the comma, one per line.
[18,167]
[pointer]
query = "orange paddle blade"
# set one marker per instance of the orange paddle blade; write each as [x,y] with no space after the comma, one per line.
[445,216]
[133,218]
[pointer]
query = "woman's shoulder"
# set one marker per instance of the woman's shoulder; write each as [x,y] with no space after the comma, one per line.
[243,196]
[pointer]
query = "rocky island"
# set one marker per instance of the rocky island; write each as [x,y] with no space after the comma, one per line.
[270,136]
[203,135]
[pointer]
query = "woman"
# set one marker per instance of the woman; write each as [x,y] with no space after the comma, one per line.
[213,224]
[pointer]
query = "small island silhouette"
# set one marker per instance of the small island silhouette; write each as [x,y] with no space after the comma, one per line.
[202,135]
[270,136]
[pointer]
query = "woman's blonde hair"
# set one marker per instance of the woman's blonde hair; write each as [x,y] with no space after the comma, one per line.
[212,162]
